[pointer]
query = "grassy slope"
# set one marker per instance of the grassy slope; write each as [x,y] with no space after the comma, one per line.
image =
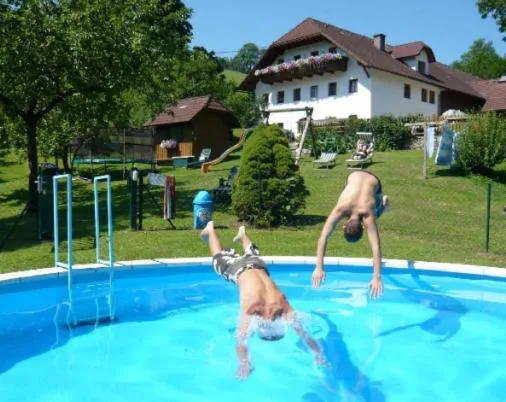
[439,219]
[234,76]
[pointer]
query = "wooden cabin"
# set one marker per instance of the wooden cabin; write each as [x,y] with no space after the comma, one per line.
[191,125]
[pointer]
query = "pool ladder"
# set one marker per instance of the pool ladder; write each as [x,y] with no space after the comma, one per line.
[89,302]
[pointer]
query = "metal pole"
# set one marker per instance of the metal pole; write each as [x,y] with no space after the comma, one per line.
[97,218]
[109,220]
[55,220]
[487,217]
[141,199]
[69,223]
[425,150]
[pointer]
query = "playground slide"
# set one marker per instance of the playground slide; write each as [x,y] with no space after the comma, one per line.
[207,165]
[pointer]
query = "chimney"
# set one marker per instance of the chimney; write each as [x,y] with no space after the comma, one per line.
[379,41]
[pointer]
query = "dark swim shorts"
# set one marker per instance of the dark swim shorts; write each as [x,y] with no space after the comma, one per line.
[230,265]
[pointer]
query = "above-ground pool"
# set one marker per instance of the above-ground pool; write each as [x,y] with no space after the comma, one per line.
[434,336]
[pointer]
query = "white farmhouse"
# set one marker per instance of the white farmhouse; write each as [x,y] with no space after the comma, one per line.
[338,74]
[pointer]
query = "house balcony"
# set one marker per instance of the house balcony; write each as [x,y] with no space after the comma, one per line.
[314,65]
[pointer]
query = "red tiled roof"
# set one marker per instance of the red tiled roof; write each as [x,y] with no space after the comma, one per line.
[411,49]
[494,93]
[356,46]
[454,80]
[186,109]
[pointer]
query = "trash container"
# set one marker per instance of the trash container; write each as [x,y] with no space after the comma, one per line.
[202,209]
[45,200]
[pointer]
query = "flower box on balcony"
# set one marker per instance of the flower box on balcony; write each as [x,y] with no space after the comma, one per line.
[326,63]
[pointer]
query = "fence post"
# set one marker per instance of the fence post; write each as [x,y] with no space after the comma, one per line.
[487,217]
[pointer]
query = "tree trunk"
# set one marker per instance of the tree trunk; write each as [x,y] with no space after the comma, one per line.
[65,159]
[33,163]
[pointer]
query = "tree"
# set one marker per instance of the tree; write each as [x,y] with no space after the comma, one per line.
[269,189]
[481,60]
[496,8]
[245,58]
[197,73]
[51,51]
[245,106]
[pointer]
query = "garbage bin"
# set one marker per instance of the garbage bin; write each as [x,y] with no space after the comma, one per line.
[202,209]
[45,200]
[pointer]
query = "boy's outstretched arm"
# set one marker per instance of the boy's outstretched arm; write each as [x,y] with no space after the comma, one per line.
[308,340]
[242,348]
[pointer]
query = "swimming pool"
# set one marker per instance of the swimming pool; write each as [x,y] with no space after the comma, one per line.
[435,335]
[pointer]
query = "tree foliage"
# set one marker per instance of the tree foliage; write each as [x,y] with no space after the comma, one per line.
[245,58]
[268,190]
[53,51]
[481,60]
[495,8]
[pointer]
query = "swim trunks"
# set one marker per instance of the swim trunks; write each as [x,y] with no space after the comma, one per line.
[230,265]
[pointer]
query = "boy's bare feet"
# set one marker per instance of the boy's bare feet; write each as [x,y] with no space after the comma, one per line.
[204,235]
[240,233]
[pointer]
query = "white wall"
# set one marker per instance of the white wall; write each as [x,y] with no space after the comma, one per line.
[388,95]
[340,106]
[305,51]
[413,61]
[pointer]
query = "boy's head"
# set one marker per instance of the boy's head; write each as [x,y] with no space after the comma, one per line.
[271,330]
[353,230]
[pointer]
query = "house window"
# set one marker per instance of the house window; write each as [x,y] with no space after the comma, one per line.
[421,67]
[281,96]
[432,97]
[333,49]
[315,53]
[407,91]
[332,88]
[296,94]
[353,85]
[281,125]
[177,133]
[280,61]
[296,57]
[265,98]
[313,91]
[424,95]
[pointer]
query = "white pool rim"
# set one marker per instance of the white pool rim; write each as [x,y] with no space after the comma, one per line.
[359,263]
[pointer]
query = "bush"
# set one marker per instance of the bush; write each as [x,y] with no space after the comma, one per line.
[482,144]
[268,190]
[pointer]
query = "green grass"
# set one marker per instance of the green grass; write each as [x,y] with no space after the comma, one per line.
[438,219]
[234,76]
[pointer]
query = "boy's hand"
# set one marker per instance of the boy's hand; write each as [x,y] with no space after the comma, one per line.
[244,370]
[318,276]
[321,361]
[375,288]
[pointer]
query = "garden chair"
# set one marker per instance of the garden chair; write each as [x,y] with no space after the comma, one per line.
[326,159]
[205,154]
[224,190]
[363,153]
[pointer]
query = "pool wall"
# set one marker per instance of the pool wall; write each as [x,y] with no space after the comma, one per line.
[331,264]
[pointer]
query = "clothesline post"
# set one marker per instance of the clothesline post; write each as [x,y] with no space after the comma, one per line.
[425,150]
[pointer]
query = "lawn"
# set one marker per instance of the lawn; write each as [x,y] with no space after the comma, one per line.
[441,218]
[234,76]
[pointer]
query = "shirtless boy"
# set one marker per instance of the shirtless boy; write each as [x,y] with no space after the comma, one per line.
[259,296]
[361,203]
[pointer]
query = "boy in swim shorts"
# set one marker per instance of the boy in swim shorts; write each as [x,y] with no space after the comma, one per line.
[259,296]
[361,202]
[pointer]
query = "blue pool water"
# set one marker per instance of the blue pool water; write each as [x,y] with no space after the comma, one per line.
[430,338]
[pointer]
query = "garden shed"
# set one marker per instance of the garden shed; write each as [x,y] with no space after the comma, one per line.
[184,129]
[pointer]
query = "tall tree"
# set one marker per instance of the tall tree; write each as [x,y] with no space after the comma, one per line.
[51,51]
[246,58]
[481,60]
[495,8]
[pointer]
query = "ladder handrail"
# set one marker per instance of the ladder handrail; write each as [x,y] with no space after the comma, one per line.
[57,261]
[96,180]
